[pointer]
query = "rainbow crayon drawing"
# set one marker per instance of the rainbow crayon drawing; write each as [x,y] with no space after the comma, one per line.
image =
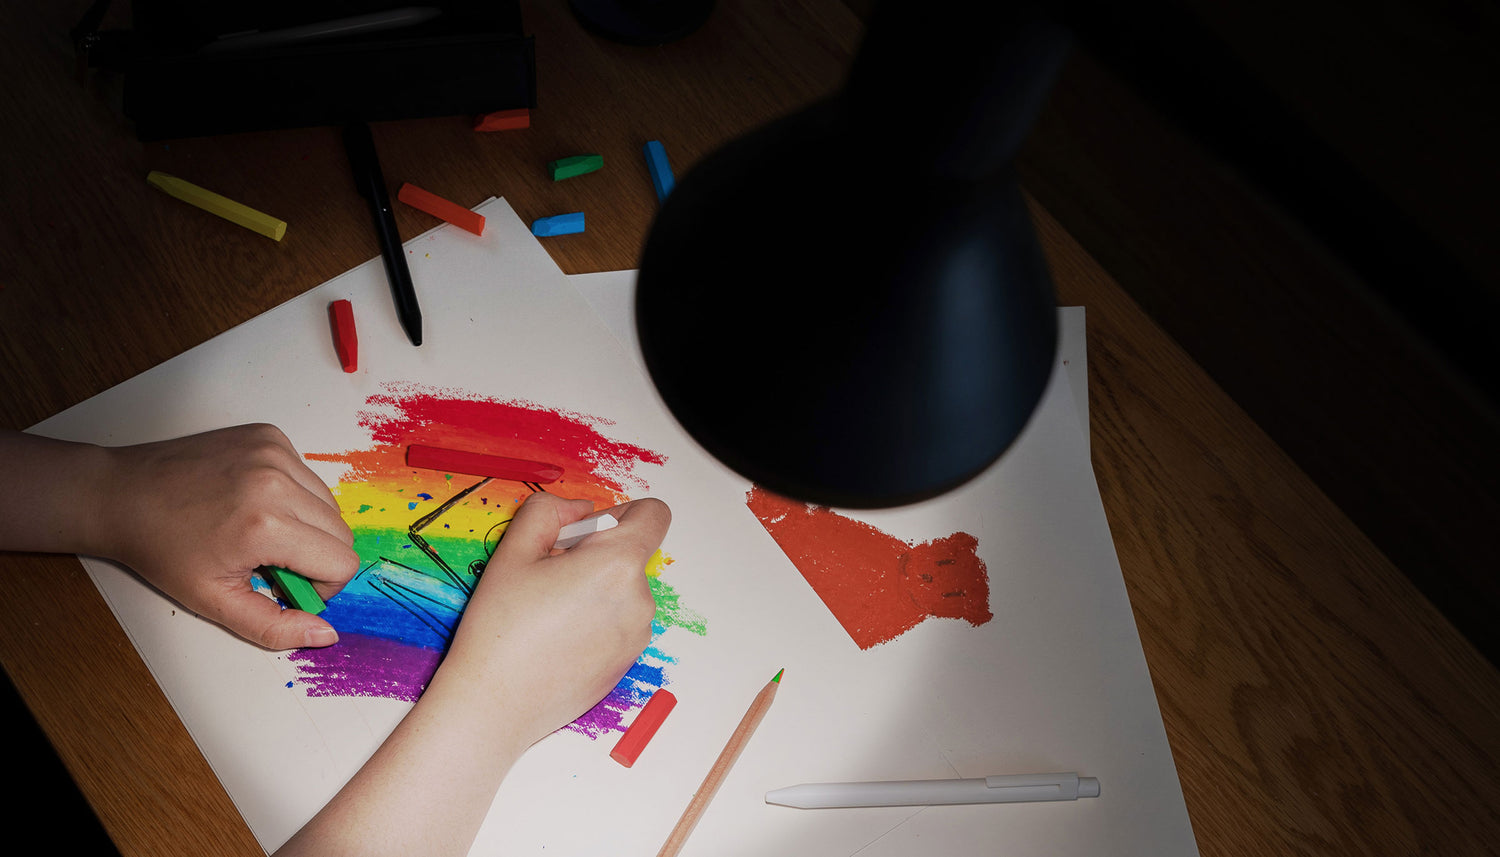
[424,536]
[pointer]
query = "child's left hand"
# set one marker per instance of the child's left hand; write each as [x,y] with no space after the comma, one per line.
[196,515]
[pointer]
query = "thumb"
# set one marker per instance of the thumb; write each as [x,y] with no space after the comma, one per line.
[262,621]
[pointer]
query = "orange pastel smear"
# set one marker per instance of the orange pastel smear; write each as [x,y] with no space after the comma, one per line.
[877,586]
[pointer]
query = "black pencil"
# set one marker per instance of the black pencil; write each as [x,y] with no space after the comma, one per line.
[371,185]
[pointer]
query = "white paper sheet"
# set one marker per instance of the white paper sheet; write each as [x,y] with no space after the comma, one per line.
[1055,681]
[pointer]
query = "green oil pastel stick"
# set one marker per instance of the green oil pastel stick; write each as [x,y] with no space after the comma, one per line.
[295,588]
[576,165]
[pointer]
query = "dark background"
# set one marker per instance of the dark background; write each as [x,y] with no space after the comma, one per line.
[1304,196]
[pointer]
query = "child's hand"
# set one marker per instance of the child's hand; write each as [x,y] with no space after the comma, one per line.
[195,516]
[546,635]
[551,633]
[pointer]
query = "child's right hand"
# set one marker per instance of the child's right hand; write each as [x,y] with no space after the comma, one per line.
[545,636]
[551,633]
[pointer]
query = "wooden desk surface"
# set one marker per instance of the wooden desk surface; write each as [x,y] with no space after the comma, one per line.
[1315,703]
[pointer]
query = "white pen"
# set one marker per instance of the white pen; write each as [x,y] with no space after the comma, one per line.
[1011,788]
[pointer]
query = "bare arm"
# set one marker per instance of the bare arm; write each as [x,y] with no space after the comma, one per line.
[52,507]
[544,638]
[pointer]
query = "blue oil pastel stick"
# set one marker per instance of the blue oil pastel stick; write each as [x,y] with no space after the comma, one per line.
[562,224]
[661,171]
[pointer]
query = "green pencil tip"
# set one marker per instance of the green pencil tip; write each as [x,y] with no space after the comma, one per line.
[777,679]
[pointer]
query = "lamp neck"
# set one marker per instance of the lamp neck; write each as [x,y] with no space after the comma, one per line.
[951,96]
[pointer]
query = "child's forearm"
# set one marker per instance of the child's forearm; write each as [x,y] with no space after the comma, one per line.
[52,502]
[428,788]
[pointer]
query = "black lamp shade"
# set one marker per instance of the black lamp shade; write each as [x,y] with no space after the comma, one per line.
[843,322]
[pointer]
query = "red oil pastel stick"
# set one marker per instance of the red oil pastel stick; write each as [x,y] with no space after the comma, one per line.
[630,745]
[442,209]
[480,464]
[504,120]
[345,337]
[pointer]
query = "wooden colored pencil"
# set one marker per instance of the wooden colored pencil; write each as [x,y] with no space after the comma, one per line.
[721,767]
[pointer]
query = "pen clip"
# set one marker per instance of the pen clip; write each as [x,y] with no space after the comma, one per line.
[1060,786]
[1059,783]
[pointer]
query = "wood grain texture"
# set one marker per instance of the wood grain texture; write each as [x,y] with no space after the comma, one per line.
[1315,702]
[1363,357]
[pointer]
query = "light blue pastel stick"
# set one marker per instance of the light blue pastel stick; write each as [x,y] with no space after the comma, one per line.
[562,224]
[661,171]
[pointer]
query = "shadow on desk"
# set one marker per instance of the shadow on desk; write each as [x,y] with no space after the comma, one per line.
[47,792]
[1309,214]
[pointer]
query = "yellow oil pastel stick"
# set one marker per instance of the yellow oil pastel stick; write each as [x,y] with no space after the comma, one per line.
[211,202]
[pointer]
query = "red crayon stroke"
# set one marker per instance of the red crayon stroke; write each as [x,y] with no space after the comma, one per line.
[594,466]
[877,586]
